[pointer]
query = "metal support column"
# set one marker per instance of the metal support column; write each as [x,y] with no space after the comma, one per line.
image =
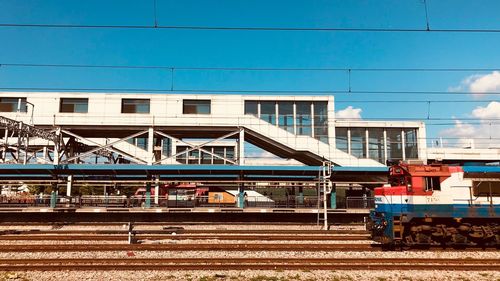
[151,155]
[53,196]
[157,190]
[333,197]
[325,205]
[301,195]
[69,185]
[241,194]
[57,145]
[147,203]
[241,148]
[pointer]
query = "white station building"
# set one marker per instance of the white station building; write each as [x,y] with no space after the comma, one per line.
[210,129]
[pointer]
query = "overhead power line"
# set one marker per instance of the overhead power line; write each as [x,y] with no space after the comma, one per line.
[214,91]
[249,28]
[166,67]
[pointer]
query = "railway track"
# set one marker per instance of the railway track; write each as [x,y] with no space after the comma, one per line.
[171,230]
[186,247]
[124,237]
[249,263]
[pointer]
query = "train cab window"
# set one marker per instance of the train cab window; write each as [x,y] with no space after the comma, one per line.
[397,181]
[486,188]
[432,183]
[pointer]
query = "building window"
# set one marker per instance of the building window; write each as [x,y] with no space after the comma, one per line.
[285,115]
[13,105]
[303,118]
[251,108]
[411,149]
[268,111]
[376,144]
[394,144]
[341,139]
[358,142]
[135,105]
[74,105]
[320,121]
[196,107]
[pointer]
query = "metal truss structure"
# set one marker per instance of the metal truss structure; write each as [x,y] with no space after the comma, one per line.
[23,143]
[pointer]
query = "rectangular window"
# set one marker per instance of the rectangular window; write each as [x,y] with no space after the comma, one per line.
[376,144]
[341,139]
[432,183]
[196,107]
[268,111]
[167,147]
[74,105]
[205,157]
[251,107]
[394,144]
[320,121]
[303,119]
[411,151]
[135,106]
[13,105]
[182,157]
[285,115]
[219,151]
[358,142]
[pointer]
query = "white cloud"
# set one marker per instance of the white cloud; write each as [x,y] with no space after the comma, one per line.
[478,83]
[349,113]
[483,135]
[491,111]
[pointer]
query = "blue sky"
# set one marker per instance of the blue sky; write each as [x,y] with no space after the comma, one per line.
[271,49]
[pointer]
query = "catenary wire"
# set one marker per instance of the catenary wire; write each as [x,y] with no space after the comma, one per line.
[250,28]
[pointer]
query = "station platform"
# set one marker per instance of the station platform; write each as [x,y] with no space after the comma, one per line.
[99,214]
[180,210]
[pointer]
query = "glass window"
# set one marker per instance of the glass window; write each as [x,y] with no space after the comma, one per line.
[230,153]
[219,151]
[432,183]
[251,107]
[358,142]
[182,157]
[196,107]
[12,105]
[142,143]
[268,111]
[167,147]
[320,121]
[411,150]
[303,118]
[376,144]
[194,156]
[341,139]
[135,105]
[205,157]
[74,105]
[285,115]
[394,144]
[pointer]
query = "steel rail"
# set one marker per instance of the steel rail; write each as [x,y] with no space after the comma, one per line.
[185,231]
[124,237]
[248,263]
[187,247]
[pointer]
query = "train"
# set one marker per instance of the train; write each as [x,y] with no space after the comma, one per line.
[437,205]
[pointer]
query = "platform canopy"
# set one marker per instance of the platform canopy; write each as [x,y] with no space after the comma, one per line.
[486,173]
[165,172]
[137,172]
